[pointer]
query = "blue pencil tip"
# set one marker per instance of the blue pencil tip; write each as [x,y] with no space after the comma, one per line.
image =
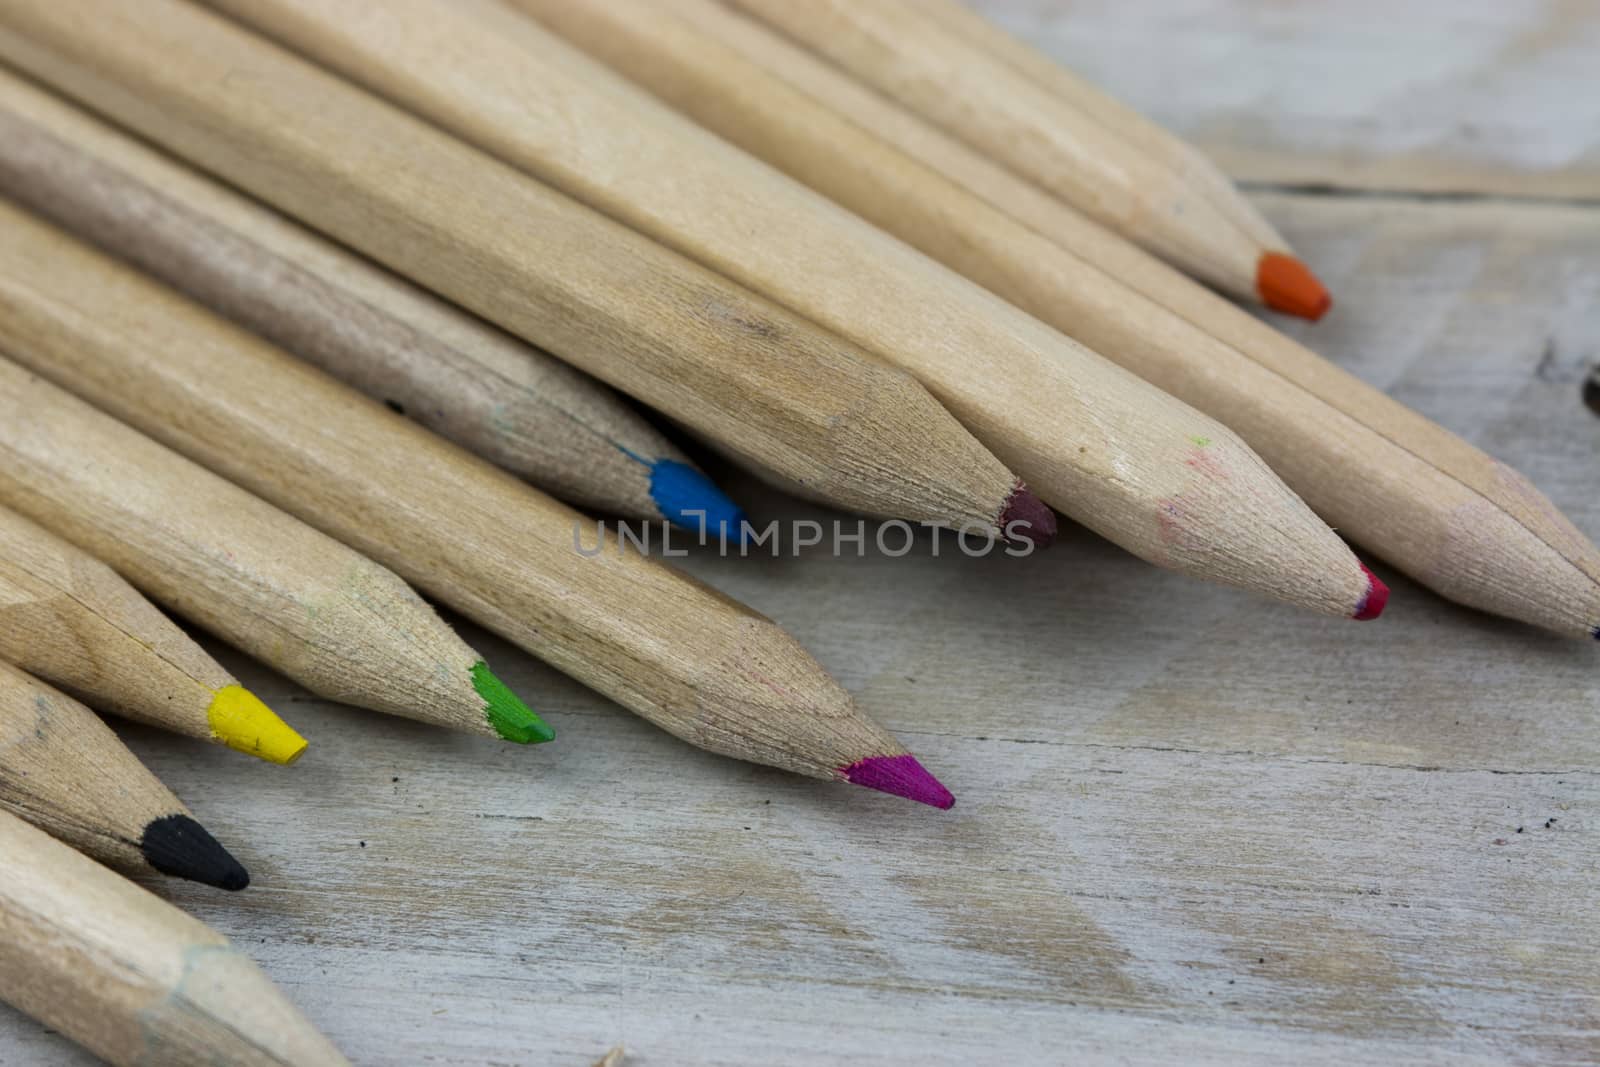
[690,499]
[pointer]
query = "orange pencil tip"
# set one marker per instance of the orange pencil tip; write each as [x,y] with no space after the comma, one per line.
[1287,285]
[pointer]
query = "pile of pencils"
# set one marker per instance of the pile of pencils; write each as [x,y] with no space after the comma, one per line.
[311,307]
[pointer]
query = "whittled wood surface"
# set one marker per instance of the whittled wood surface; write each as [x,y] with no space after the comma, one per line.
[1095,442]
[1399,485]
[1192,827]
[519,407]
[972,91]
[211,552]
[64,771]
[130,977]
[70,619]
[784,395]
[695,663]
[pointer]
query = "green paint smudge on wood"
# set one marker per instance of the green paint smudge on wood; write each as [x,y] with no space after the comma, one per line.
[510,717]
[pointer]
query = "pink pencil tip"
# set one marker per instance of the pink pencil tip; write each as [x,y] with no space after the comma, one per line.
[1026,518]
[901,775]
[1377,597]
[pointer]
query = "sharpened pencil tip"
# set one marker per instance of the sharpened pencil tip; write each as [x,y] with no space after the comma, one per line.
[687,498]
[1287,285]
[181,847]
[1377,597]
[1026,518]
[511,718]
[902,776]
[239,720]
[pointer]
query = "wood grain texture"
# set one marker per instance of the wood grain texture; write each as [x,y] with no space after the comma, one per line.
[68,618]
[131,977]
[1165,787]
[64,771]
[701,666]
[343,625]
[1189,164]
[455,374]
[1194,829]
[1401,486]
[1477,97]
[1132,463]
[787,396]
[960,83]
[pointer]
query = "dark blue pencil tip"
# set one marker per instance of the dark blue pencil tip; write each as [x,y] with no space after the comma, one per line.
[1594,632]
[688,498]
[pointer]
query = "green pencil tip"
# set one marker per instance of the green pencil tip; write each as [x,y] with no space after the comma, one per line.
[510,717]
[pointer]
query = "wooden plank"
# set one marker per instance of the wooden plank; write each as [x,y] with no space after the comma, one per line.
[1473,96]
[1211,908]
[1193,827]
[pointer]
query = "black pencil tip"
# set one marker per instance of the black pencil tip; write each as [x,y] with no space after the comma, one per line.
[179,846]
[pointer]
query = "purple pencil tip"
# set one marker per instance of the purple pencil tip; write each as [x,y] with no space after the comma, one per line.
[901,775]
[1027,518]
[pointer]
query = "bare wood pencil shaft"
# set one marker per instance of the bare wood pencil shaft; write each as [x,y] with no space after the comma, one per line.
[1444,512]
[71,620]
[63,770]
[130,977]
[1191,166]
[513,404]
[339,624]
[1093,440]
[1007,115]
[780,393]
[701,666]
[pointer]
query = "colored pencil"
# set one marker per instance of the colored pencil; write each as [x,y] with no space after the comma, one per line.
[1192,167]
[63,770]
[1156,476]
[956,80]
[696,663]
[130,977]
[73,621]
[781,394]
[455,374]
[1454,519]
[342,626]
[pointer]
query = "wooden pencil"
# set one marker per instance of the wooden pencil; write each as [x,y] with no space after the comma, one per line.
[130,977]
[342,626]
[951,78]
[73,621]
[1151,473]
[781,394]
[1447,514]
[1192,167]
[513,404]
[63,770]
[696,663]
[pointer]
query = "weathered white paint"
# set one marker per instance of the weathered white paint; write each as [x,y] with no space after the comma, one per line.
[1475,96]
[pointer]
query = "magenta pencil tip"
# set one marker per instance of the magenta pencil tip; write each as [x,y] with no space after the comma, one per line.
[901,775]
[1026,518]
[1377,598]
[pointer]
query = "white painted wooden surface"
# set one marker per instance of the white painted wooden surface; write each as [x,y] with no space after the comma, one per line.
[1192,827]
[1471,96]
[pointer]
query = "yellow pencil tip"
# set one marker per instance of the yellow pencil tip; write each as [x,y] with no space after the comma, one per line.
[239,720]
